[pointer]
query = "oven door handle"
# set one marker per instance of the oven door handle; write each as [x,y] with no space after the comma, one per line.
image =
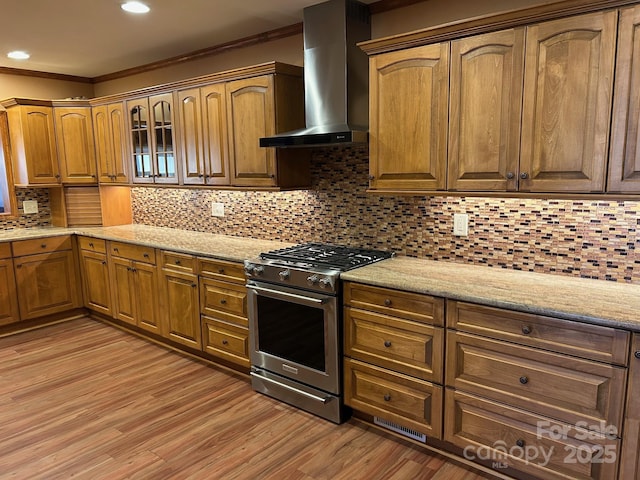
[293,389]
[288,296]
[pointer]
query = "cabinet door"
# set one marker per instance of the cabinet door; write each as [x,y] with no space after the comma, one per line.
[182,310]
[47,284]
[630,461]
[123,288]
[96,282]
[8,296]
[104,151]
[162,130]
[214,134]
[485,109]
[146,296]
[408,110]
[190,115]
[76,149]
[567,103]
[251,115]
[624,164]
[111,144]
[140,140]
[33,144]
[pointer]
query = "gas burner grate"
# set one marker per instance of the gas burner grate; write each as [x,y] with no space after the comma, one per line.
[326,255]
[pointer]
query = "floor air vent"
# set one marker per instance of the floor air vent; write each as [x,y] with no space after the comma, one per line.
[407,432]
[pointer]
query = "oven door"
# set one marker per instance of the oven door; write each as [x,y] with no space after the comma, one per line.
[295,334]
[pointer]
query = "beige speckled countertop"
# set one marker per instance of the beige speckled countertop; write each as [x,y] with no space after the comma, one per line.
[225,247]
[593,301]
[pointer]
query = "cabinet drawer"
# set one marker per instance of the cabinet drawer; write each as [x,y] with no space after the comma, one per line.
[401,345]
[407,401]
[534,444]
[5,250]
[139,253]
[92,244]
[41,245]
[222,297]
[594,342]
[226,340]
[178,262]
[222,270]
[567,388]
[412,306]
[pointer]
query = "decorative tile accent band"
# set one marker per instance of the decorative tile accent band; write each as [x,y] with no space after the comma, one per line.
[595,239]
[40,219]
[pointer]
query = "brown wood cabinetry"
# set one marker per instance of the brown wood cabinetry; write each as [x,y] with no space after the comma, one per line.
[76,148]
[181,310]
[394,348]
[258,107]
[630,461]
[223,305]
[203,135]
[111,140]
[485,111]
[134,282]
[46,275]
[9,312]
[409,94]
[33,142]
[624,161]
[95,275]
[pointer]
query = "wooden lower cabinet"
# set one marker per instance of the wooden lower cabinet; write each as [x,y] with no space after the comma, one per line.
[181,312]
[630,460]
[226,340]
[95,274]
[9,311]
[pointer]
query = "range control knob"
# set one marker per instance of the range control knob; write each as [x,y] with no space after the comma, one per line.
[248,268]
[325,282]
[312,280]
[284,275]
[259,270]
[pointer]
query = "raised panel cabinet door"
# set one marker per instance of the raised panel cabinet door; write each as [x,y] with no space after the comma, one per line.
[190,115]
[123,287]
[182,309]
[214,134]
[163,138]
[104,152]
[251,115]
[484,111]
[146,297]
[624,161]
[9,312]
[409,93]
[47,283]
[111,143]
[96,282]
[76,149]
[630,460]
[567,103]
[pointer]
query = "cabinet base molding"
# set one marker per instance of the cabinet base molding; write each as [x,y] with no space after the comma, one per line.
[27,325]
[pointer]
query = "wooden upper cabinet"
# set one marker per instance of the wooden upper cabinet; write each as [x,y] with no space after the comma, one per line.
[111,143]
[624,162]
[76,148]
[485,110]
[203,135]
[33,142]
[567,103]
[409,91]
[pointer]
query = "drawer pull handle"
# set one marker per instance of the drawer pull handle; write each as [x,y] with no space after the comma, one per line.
[526,330]
[223,301]
[225,342]
[178,262]
[91,244]
[387,398]
[115,249]
[387,302]
[524,380]
[637,354]
[387,343]
[145,255]
[520,443]
[44,245]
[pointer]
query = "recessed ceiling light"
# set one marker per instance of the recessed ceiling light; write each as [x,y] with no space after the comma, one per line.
[135,7]
[18,55]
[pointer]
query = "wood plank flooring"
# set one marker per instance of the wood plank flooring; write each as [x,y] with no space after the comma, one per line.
[85,400]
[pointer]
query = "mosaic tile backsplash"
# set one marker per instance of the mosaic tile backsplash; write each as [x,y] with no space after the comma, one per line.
[40,219]
[596,239]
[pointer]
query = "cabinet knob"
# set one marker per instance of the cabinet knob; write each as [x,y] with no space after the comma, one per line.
[200,176]
[526,330]
[19,265]
[194,285]
[520,443]
[371,177]
[91,244]
[221,271]
[387,343]
[178,262]
[387,397]
[524,380]
[104,262]
[225,342]
[510,175]
[44,245]
[145,255]
[223,301]
[524,175]
[115,249]
[637,354]
[387,302]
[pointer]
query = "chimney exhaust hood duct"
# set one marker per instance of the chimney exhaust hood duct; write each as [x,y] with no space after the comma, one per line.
[336,77]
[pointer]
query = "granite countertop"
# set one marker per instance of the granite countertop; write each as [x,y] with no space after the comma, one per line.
[593,301]
[224,247]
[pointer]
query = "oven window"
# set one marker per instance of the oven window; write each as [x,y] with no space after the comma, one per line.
[292,332]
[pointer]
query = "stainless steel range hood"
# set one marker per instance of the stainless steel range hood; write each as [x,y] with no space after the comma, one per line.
[336,77]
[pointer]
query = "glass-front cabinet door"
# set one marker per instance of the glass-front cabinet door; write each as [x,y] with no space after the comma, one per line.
[151,128]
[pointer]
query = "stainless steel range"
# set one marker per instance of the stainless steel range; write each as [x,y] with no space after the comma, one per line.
[295,323]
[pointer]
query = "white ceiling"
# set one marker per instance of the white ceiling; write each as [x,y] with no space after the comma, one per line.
[90,38]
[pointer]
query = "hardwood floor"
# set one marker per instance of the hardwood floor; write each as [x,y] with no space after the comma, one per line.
[85,400]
